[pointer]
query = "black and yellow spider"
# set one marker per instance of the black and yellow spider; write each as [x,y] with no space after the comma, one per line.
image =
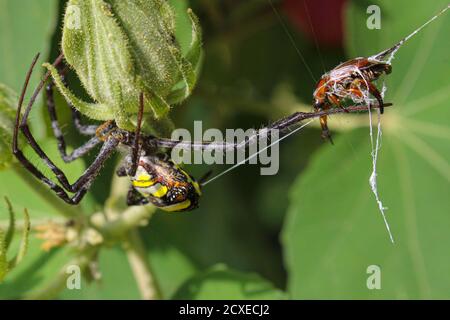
[154,177]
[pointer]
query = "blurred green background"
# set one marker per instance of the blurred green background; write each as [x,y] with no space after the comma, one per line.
[312,230]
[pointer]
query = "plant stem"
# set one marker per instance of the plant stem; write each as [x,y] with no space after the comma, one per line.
[137,257]
[45,193]
[126,221]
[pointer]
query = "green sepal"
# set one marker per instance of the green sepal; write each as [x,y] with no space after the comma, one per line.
[95,111]
[189,65]
[97,50]
[195,49]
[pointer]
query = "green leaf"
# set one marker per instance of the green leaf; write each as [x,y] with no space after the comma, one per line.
[5,241]
[23,242]
[334,230]
[117,280]
[8,103]
[221,283]
[12,224]
[37,269]
[4,265]
[26,28]
[15,183]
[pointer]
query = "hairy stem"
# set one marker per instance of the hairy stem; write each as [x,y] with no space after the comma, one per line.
[137,257]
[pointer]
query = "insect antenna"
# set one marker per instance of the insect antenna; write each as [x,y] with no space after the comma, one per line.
[391,51]
[137,136]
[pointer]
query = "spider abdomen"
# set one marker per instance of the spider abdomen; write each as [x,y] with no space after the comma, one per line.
[165,185]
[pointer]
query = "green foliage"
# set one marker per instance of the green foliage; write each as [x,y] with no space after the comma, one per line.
[334,230]
[22,38]
[133,39]
[220,283]
[8,101]
[6,265]
[252,75]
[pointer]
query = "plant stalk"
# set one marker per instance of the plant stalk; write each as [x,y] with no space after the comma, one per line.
[137,257]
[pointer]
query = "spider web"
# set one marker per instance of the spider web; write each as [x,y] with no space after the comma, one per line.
[386,56]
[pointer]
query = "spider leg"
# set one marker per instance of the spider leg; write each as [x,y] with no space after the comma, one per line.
[80,151]
[284,126]
[88,130]
[137,137]
[121,171]
[134,198]
[205,177]
[81,186]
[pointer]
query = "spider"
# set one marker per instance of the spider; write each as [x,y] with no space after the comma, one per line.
[154,177]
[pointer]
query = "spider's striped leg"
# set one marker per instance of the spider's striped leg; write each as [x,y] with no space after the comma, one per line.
[134,198]
[285,125]
[84,129]
[83,183]
[78,152]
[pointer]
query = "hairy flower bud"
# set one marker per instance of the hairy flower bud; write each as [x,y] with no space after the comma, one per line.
[120,48]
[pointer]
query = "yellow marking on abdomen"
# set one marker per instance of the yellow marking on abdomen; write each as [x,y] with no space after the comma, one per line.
[177,207]
[143,183]
[158,190]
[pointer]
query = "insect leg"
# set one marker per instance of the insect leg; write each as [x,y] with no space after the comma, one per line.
[376,93]
[137,137]
[324,121]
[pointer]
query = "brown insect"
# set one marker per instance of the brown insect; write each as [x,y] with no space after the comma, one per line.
[353,80]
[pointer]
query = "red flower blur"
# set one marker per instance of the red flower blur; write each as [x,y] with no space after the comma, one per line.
[325,16]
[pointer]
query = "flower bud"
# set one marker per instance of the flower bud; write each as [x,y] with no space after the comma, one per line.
[120,48]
